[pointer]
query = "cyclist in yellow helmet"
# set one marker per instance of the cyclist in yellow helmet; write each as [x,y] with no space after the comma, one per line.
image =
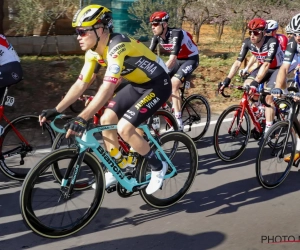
[148,86]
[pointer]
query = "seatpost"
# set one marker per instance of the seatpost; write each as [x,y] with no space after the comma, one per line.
[4,96]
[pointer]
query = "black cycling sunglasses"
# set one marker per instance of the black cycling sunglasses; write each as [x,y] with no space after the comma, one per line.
[155,23]
[82,32]
[255,32]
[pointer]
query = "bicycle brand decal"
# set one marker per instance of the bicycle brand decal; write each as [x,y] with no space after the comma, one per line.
[110,162]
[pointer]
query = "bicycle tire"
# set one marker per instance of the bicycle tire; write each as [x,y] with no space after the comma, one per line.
[19,157]
[39,183]
[231,153]
[275,152]
[187,142]
[58,173]
[199,117]
[167,122]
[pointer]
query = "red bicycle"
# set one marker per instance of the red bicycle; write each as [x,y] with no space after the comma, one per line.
[23,141]
[233,128]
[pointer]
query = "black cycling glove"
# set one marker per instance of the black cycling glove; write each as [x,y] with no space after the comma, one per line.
[50,114]
[78,125]
[226,82]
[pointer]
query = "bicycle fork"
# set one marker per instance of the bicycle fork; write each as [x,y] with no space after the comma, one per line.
[74,165]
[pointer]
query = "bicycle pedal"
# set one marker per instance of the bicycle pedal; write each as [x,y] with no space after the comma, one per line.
[111,189]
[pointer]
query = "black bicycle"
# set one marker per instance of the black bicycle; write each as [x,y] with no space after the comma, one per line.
[277,147]
[195,112]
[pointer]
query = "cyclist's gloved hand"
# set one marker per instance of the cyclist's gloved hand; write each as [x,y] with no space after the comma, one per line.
[243,72]
[276,91]
[226,82]
[76,126]
[49,114]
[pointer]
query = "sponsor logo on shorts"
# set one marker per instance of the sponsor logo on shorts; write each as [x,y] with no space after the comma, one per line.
[15,75]
[111,104]
[145,100]
[143,110]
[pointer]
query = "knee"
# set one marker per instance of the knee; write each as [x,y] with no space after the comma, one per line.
[109,117]
[125,129]
[175,84]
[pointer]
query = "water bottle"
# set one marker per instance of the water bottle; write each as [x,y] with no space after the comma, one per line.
[131,159]
[119,158]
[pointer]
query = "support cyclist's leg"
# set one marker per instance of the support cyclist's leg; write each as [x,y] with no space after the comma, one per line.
[186,68]
[155,93]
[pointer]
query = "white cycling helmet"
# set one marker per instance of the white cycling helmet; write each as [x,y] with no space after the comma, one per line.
[271,25]
[288,29]
[295,23]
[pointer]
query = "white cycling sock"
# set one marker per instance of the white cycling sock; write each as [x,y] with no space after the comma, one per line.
[268,126]
[178,118]
[298,144]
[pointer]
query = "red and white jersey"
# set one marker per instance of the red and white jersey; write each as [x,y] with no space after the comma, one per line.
[178,42]
[7,52]
[283,41]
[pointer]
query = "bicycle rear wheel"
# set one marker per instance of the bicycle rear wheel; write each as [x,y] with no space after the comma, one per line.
[230,137]
[195,113]
[271,168]
[23,143]
[46,207]
[185,158]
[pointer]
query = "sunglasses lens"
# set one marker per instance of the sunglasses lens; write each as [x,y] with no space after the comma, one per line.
[80,32]
[297,34]
[155,24]
[256,33]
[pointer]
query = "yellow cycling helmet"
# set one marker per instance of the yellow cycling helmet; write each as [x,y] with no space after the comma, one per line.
[91,15]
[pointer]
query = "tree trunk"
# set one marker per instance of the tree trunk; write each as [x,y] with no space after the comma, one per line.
[1,16]
[220,30]
[197,29]
[45,40]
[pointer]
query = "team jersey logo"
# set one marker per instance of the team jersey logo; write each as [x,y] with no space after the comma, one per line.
[114,68]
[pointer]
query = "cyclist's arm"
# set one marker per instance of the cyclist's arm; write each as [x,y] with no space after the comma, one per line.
[262,71]
[153,44]
[74,92]
[85,78]
[250,62]
[273,45]
[234,68]
[177,37]
[288,59]
[237,64]
[281,77]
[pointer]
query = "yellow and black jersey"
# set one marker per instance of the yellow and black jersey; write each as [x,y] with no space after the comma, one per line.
[124,57]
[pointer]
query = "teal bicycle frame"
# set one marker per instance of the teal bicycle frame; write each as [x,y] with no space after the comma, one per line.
[89,141]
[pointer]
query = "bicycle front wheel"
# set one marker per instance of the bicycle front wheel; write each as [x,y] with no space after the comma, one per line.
[184,158]
[272,166]
[23,143]
[47,208]
[196,116]
[231,133]
[86,178]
